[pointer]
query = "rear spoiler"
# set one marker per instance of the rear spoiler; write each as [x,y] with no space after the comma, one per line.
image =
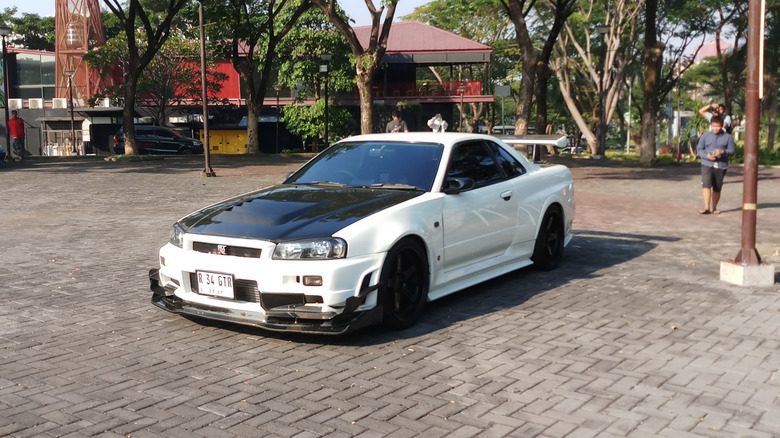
[557,141]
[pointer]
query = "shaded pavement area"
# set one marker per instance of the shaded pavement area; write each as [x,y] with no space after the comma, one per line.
[633,336]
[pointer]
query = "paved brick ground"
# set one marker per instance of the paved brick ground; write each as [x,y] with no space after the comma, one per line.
[634,336]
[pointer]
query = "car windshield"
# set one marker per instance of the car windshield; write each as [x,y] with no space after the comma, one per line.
[391,165]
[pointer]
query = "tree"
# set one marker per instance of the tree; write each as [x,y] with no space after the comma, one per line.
[487,24]
[151,28]
[300,57]
[249,33]
[731,14]
[518,11]
[684,21]
[170,79]
[589,66]
[367,59]
[34,32]
[772,63]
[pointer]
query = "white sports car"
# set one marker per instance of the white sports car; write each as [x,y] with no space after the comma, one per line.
[367,231]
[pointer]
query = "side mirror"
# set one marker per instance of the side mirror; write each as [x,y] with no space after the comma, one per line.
[453,186]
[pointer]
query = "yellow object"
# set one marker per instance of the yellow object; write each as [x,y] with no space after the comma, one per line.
[226,141]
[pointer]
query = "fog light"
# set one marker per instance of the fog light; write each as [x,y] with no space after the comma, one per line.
[312,280]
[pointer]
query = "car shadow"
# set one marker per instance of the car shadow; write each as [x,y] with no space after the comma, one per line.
[505,292]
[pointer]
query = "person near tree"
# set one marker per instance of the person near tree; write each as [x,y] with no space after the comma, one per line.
[715,147]
[397,124]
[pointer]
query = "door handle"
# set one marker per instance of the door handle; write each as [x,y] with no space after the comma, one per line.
[506,195]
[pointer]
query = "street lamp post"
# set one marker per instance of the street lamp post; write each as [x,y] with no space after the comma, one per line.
[324,68]
[69,74]
[462,91]
[4,32]
[207,170]
[277,87]
[603,30]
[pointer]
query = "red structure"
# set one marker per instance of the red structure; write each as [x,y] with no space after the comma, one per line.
[78,28]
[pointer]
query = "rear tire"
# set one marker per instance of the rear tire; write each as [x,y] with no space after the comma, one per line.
[403,284]
[548,250]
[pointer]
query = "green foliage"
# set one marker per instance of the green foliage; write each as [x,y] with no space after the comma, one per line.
[308,122]
[7,15]
[299,57]
[111,25]
[766,157]
[34,32]
[30,31]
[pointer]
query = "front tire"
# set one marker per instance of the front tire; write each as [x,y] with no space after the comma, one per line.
[548,250]
[403,284]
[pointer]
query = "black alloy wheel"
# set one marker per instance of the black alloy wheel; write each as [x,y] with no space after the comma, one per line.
[548,250]
[403,284]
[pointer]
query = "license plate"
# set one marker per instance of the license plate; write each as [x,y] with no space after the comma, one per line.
[215,285]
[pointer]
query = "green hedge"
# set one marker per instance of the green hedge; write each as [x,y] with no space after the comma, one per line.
[766,157]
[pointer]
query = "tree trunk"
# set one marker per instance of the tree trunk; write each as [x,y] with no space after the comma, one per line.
[365,84]
[542,81]
[526,96]
[653,60]
[770,84]
[128,113]
[252,137]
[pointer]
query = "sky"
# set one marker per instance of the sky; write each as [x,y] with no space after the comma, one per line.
[355,8]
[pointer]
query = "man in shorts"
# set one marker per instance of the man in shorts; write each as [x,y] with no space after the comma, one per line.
[715,147]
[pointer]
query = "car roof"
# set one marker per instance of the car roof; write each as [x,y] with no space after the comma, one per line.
[444,138]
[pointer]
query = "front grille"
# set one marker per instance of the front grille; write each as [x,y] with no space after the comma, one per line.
[237,251]
[244,290]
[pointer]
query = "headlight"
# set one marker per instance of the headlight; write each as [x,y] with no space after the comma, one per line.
[317,249]
[177,236]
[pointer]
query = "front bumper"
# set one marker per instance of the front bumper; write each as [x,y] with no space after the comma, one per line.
[289,320]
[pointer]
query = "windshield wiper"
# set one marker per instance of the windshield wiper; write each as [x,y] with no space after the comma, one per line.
[395,186]
[320,183]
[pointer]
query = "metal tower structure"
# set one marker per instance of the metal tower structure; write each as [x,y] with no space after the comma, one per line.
[78,29]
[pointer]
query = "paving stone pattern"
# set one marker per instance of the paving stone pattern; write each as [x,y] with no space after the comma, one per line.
[633,336]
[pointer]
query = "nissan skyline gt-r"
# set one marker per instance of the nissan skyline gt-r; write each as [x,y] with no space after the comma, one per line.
[367,231]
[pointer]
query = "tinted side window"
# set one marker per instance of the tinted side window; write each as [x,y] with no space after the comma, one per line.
[506,161]
[165,133]
[143,130]
[473,160]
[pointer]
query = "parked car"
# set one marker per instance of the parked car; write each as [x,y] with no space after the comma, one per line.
[367,231]
[158,140]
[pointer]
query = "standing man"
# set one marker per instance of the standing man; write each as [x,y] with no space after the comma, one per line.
[437,123]
[716,109]
[16,126]
[715,147]
[396,125]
